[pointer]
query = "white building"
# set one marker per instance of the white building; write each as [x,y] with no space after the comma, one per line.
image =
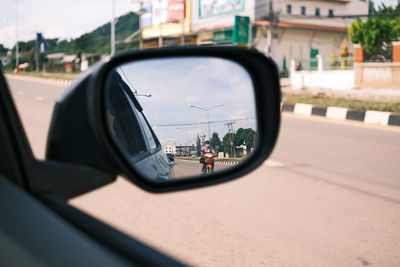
[170,149]
[303,29]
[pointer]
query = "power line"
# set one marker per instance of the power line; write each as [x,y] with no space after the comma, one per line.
[198,123]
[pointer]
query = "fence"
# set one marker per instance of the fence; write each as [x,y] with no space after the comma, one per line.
[325,63]
[325,73]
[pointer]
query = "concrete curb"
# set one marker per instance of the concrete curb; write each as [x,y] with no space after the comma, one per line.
[59,82]
[339,113]
[216,162]
[227,162]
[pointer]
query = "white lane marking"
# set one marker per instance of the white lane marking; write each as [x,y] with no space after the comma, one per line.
[39,98]
[273,163]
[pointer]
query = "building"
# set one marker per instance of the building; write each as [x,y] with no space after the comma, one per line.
[167,22]
[170,149]
[183,151]
[282,29]
[60,62]
[292,29]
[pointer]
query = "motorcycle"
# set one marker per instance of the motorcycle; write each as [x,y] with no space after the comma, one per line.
[208,162]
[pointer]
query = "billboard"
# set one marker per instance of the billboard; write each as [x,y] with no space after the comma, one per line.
[41,43]
[209,8]
[176,10]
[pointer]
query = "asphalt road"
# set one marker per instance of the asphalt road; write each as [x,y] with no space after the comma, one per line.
[186,168]
[328,196]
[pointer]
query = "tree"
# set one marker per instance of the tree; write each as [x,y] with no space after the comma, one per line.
[228,143]
[245,136]
[3,50]
[216,143]
[376,33]
[198,145]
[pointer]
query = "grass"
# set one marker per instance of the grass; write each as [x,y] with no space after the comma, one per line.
[48,75]
[355,104]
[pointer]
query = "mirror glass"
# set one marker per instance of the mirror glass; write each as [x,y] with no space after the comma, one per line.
[181,117]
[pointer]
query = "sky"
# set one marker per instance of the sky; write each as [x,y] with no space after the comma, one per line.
[63,18]
[56,18]
[177,83]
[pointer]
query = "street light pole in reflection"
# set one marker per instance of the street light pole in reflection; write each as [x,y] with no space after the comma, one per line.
[208,115]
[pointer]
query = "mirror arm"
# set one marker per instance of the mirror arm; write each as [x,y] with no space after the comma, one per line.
[67,180]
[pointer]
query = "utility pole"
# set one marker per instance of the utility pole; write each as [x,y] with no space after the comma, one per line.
[16,35]
[231,132]
[113,27]
[160,38]
[37,53]
[272,18]
[140,13]
[140,26]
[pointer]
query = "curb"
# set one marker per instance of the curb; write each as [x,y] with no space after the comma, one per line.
[59,82]
[227,162]
[217,162]
[339,113]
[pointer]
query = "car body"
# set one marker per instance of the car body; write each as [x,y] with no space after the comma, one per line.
[145,150]
[170,156]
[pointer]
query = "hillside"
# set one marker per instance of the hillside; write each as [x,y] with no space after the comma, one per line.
[96,41]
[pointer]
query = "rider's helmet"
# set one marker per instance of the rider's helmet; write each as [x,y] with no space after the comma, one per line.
[207,143]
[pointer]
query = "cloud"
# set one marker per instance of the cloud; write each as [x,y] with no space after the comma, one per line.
[190,99]
[55,32]
[240,114]
[7,36]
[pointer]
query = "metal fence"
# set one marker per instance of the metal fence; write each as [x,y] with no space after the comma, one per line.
[338,63]
[307,64]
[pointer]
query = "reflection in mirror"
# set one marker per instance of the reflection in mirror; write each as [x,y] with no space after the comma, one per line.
[181,117]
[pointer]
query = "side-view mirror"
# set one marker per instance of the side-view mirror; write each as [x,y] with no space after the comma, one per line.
[172,118]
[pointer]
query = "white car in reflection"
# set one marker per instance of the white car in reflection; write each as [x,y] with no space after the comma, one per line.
[132,132]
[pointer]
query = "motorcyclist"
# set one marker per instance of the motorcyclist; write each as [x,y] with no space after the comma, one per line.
[207,148]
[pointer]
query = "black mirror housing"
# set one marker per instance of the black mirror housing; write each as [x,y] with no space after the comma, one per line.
[79,133]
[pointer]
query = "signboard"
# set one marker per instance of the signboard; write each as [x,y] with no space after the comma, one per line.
[147,16]
[176,10]
[222,36]
[241,30]
[160,11]
[41,43]
[209,8]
